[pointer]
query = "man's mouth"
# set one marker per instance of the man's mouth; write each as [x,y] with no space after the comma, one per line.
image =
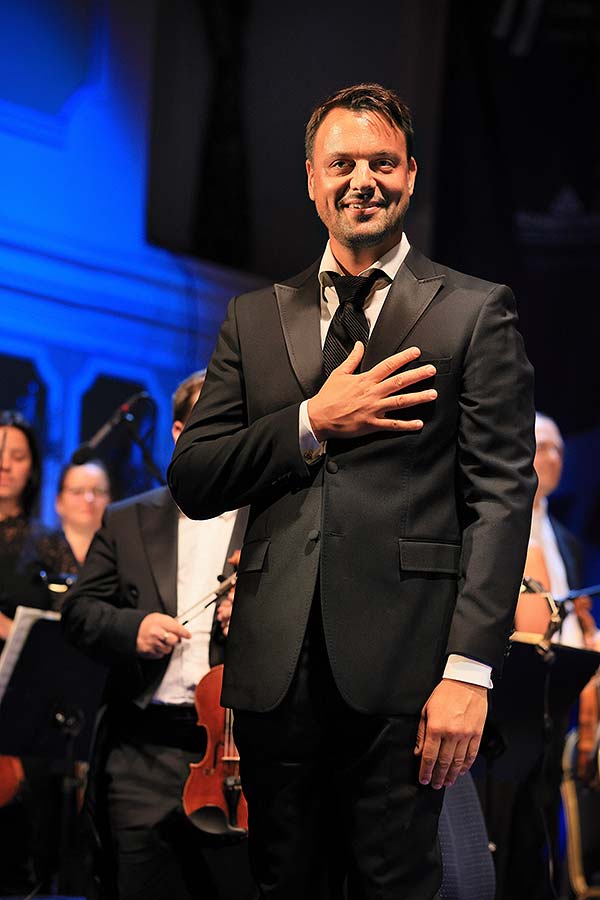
[363,205]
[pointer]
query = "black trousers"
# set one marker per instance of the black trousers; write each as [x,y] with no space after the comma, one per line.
[157,852]
[333,794]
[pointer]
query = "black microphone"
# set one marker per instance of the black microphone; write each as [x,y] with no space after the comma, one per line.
[85,451]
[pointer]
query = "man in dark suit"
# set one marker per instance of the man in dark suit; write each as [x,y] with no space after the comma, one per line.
[147,565]
[390,491]
[559,551]
[520,790]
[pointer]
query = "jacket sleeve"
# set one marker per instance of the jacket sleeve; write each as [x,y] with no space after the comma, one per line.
[94,618]
[497,482]
[221,460]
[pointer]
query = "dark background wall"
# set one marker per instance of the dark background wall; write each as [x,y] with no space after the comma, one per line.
[286,58]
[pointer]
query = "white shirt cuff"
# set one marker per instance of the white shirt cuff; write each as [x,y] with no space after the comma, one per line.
[462,668]
[310,447]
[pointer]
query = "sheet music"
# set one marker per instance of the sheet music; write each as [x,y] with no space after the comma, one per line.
[25,617]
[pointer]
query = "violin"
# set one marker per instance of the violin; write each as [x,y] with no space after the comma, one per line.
[212,796]
[11,778]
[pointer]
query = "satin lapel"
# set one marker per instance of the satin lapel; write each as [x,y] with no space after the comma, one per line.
[407,300]
[300,313]
[158,524]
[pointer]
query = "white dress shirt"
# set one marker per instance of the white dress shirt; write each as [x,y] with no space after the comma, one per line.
[542,534]
[458,668]
[201,554]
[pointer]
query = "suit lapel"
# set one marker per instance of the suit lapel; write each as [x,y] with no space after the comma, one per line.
[298,300]
[412,290]
[566,553]
[300,312]
[158,524]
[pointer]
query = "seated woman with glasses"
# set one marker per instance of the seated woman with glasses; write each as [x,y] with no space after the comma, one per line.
[83,494]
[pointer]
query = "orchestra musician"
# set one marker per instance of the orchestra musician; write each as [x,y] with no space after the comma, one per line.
[381,427]
[30,556]
[146,566]
[554,554]
[522,796]
[83,494]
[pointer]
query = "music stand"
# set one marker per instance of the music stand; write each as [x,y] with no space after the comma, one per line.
[48,704]
[519,694]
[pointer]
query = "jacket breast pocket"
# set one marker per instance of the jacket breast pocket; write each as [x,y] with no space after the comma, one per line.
[429,557]
[443,366]
[253,557]
[439,381]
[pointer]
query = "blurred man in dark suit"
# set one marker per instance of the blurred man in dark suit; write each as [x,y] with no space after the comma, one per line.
[147,565]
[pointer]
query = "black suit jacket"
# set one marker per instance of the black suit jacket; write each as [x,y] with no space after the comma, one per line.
[419,539]
[570,551]
[130,571]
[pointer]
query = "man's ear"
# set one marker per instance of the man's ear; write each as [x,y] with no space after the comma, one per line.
[310,173]
[176,429]
[412,174]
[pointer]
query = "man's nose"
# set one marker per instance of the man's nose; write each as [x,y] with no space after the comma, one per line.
[362,180]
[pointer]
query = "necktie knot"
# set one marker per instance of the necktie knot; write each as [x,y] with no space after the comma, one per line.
[354,288]
[349,323]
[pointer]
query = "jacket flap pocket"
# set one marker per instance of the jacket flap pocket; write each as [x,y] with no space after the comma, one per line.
[429,556]
[253,555]
[443,365]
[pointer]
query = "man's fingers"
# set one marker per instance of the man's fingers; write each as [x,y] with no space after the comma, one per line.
[386,424]
[405,379]
[470,755]
[402,401]
[175,630]
[352,361]
[420,734]
[158,634]
[429,756]
[455,768]
[392,363]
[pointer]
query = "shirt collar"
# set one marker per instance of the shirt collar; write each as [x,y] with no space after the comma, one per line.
[225,516]
[389,263]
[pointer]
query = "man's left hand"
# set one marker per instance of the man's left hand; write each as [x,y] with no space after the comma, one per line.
[450,731]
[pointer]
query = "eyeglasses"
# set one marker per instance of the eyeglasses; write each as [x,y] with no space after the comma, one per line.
[97,492]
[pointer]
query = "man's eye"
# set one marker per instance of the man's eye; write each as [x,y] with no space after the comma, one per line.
[385,163]
[340,164]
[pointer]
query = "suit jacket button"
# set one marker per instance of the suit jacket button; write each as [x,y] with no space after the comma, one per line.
[133,591]
[331,466]
[314,535]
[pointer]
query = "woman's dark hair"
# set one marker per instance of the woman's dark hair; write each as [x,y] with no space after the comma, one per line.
[10,418]
[89,462]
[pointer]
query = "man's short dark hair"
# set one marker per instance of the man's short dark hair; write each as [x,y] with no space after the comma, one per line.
[371,97]
[185,396]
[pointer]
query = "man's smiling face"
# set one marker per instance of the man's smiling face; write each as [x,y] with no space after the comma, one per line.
[360,180]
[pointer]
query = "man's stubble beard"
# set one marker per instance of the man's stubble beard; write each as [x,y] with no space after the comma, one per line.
[356,239]
[392,227]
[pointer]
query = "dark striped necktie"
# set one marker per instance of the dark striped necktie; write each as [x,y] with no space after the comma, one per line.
[349,323]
